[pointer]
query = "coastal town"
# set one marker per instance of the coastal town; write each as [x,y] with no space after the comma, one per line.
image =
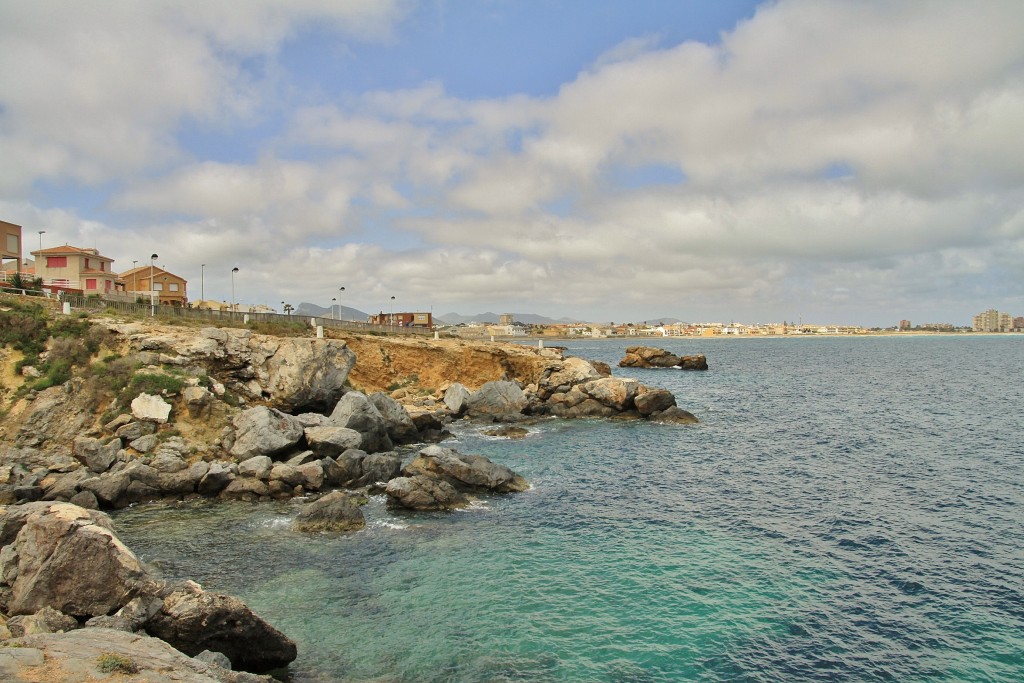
[69,271]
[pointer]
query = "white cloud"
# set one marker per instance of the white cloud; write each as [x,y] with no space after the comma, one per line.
[916,106]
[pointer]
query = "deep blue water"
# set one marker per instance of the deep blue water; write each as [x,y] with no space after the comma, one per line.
[847,510]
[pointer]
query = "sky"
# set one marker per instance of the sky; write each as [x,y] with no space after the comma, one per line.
[834,162]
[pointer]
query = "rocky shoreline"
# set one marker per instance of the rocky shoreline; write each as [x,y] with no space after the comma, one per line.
[234,415]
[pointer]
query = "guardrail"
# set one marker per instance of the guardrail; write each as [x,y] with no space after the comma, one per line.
[214,316]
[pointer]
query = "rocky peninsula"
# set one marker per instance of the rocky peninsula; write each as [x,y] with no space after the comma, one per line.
[102,413]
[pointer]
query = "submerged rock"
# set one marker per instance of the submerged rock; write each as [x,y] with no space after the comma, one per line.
[337,511]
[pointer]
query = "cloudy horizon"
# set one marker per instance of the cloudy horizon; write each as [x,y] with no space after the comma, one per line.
[831,161]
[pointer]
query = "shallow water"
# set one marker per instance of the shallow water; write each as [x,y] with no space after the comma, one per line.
[848,510]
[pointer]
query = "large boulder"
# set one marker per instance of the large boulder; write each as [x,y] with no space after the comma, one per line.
[337,511]
[193,620]
[355,411]
[501,400]
[651,401]
[264,431]
[456,398]
[614,392]
[329,441]
[648,357]
[473,473]
[424,493]
[151,408]
[356,468]
[61,556]
[695,362]
[571,372]
[397,420]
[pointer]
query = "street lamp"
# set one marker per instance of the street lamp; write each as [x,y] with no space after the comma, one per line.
[41,233]
[332,307]
[392,311]
[233,304]
[152,285]
[340,316]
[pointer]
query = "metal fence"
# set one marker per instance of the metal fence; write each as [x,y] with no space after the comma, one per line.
[95,304]
[215,316]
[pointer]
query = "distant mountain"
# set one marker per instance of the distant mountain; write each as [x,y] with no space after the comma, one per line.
[344,312]
[494,318]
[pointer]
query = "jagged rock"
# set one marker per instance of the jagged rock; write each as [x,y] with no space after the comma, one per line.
[55,416]
[355,411]
[68,558]
[63,486]
[614,392]
[144,444]
[150,407]
[696,362]
[303,458]
[313,475]
[653,401]
[674,415]
[216,658]
[108,487]
[329,441]
[311,419]
[118,422]
[245,488]
[357,468]
[602,368]
[577,404]
[167,462]
[465,472]
[85,499]
[572,371]
[397,421]
[648,357]
[257,466]
[46,620]
[216,478]
[95,454]
[198,402]
[193,620]
[286,473]
[424,493]
[507,432]
[332,472]
[500,399]
[134,430]
[456,398]
[337,511]
[264,431]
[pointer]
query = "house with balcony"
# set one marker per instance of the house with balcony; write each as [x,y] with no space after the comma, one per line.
[165,288]
[77,270]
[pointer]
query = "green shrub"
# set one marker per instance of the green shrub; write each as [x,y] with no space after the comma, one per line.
[151,383]
[111,662]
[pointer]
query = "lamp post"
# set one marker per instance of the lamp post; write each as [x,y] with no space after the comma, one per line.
[333,299]
[41,233]
[202,281]
[152,286]
[233,304]
[340,291]
[392,313]
[282,307]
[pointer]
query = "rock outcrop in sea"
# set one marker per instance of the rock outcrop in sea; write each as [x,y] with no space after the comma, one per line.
[652,357]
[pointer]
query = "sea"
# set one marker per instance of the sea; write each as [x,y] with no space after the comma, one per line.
[848,509]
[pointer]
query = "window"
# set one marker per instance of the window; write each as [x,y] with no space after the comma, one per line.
[174,286]
[90,283]
[158,287]
[56,261]
[12,244]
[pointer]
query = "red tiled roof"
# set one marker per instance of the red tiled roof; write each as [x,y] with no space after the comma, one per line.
[68,249]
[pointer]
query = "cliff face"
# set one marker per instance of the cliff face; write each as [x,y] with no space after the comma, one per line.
[387,364]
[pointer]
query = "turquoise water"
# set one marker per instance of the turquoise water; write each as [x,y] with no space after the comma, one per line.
[848,510]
